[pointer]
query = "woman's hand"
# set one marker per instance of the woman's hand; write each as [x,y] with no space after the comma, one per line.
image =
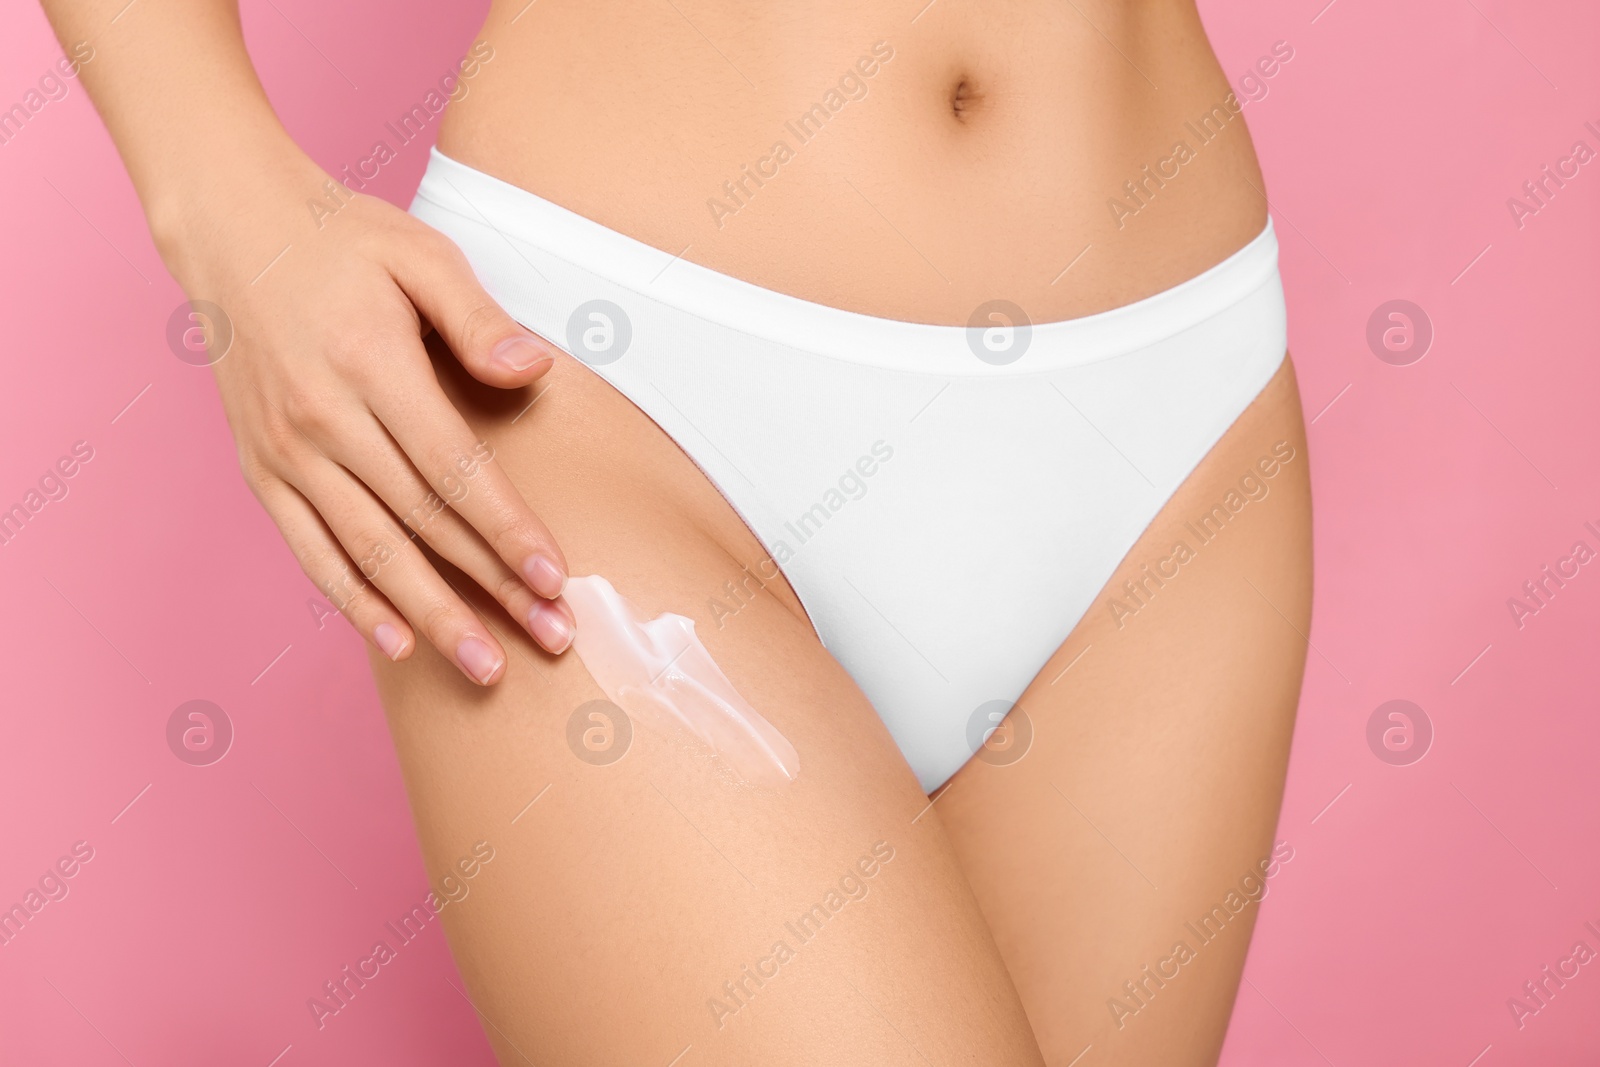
[343,431]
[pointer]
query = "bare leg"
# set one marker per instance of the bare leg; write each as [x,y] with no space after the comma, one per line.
[1152,786]
[617,906]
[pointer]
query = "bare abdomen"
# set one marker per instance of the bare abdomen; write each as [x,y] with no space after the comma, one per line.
[851,156]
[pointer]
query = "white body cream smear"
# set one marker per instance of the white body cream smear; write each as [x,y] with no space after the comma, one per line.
[657,671]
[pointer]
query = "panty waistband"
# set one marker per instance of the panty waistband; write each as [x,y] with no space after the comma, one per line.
[526,219]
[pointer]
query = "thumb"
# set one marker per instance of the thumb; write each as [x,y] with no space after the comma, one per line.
[493,347]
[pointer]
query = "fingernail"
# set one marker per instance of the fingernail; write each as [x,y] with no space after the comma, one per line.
[477,659]
[389,640]
[544,577]
[550,627]
[518,353]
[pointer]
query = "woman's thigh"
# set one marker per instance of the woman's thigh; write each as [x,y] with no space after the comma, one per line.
[1127,842]
[638,908]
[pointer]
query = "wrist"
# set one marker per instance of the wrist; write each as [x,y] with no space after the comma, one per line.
[227,217]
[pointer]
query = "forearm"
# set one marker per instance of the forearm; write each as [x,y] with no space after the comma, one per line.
[177,91]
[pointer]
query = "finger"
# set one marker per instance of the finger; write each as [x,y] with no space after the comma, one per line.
[384,555]
[326,564]
[376,460]
[488,342]
[461,469]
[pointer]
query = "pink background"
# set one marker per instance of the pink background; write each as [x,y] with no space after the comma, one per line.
[1418,901]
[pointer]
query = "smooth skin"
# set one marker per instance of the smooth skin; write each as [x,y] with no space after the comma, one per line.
[370,371]
[977,162]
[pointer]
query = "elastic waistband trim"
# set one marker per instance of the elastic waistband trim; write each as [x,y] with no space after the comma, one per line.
[521,216]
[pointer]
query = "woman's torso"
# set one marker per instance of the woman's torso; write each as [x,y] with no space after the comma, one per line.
[898,160]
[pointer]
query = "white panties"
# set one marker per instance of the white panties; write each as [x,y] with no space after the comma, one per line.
[946,501]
